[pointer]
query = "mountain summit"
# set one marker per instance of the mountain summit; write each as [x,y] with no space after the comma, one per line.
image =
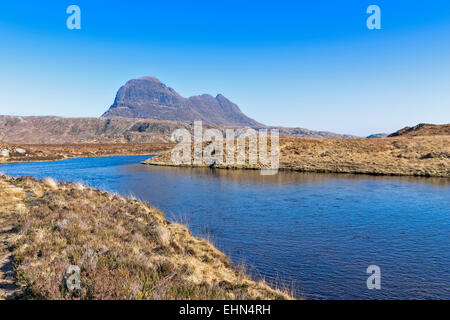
[149,98]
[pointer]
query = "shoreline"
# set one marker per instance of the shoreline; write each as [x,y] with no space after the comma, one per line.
[221,167]
[423,156]
[125,249]
[76,157]
[58,152]
[286,169]
[230,167]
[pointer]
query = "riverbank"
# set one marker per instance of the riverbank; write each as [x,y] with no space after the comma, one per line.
[12,153]
[125,249]
[427,156]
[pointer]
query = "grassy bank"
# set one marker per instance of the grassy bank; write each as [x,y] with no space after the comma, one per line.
[403,156]
[408,156]
[125,248]
[53,152]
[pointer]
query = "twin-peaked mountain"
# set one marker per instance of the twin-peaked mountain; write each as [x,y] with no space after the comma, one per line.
[149,98]
[144,110]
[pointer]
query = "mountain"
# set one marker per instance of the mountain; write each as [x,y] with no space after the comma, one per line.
[377,135]
[423,129]
[149,98]
[144,110]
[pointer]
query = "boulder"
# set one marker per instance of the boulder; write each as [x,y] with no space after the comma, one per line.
[4,153]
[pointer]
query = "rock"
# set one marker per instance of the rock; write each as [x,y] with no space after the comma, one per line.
[51,183]
[4,153]
[78,186]
[21,151]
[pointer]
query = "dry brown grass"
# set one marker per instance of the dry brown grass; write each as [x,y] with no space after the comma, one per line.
[124,247]
[412,156]
[51,152]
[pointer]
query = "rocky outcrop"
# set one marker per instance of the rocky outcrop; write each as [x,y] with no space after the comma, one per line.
[4,153]
[10,151]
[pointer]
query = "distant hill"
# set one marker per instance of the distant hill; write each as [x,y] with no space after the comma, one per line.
[50,129]
[149,98]
[377,135]
[423,129]
[306,133]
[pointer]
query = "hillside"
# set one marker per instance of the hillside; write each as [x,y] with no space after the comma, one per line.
[12,153]
[56,130]
[49,129]
[149,98]
[125,249]
[423,129]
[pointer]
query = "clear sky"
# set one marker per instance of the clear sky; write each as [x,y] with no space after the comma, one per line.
[311,64]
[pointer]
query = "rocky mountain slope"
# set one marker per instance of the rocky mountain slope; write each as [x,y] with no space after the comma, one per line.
[149,98]
[423,129]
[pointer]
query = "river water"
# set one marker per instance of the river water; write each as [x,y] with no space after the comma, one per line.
[316,233]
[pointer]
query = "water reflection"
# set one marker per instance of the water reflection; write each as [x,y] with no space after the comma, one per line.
[282,178]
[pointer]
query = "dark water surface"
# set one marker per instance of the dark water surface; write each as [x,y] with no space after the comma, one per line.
[316,232]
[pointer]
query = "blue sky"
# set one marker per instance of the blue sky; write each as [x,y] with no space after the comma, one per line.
[311,64]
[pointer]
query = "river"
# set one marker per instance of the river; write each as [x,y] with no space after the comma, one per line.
[316,233]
